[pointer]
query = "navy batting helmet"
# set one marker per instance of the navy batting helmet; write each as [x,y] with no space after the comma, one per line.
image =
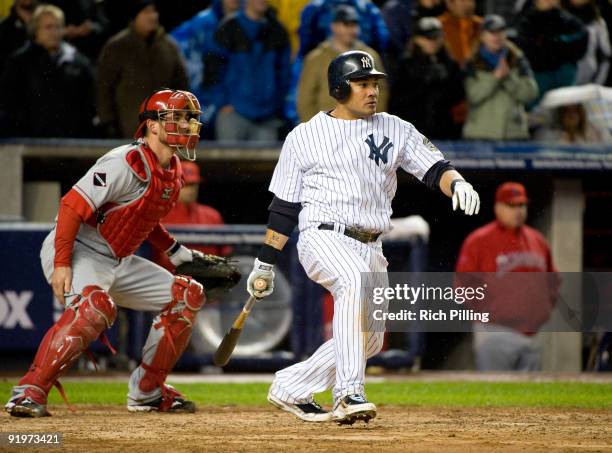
[348,66]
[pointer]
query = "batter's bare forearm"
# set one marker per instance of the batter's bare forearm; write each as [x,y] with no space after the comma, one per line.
[446,181]
[275,239]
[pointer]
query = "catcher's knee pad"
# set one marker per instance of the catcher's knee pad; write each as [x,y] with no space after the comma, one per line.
[188,293]
[171,332]
[81,323]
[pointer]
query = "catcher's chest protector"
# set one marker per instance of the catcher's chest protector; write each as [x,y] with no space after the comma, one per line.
[125,227]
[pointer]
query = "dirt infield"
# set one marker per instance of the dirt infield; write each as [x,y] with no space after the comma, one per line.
[220,429]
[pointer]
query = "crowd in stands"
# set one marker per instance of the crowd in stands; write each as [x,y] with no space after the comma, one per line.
[81,68]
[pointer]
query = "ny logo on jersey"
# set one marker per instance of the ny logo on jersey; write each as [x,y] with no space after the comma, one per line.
[366,62]
[166,194]
[378,153]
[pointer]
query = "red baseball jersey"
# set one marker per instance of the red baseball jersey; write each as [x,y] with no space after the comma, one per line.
[521,302]
[494,248]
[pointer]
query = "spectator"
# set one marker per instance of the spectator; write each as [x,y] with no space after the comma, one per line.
[553,41]
[288,14]
[46,89]
[313,92]
[398,17]
[13,29]
[401,18]
[188,211]
[86,25]
[427,8]
[253,60]
[595,64]
[499,84]
[429,84]
[516,311]
[605,8]
[195,38]
[461,28]
[571,126]
[134,63]
[317,16]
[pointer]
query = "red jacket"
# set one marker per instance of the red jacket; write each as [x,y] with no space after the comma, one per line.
[523,302]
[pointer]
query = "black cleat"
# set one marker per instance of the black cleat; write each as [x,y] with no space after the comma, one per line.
[353,408]
[309,412]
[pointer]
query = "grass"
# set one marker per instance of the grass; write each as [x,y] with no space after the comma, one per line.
[449,394]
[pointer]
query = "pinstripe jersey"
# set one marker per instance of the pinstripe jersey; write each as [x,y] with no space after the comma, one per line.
[345,171]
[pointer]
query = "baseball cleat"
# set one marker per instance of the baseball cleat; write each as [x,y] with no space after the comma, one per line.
[353,408]
[27,407]
[309,412]
[170,401]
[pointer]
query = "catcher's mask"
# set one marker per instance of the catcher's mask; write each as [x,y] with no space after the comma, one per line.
[179,114]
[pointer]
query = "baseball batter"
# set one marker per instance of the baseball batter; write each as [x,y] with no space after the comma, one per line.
[336,177]
[88,260]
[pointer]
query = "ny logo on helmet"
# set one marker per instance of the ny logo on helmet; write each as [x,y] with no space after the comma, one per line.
[366,62]
[378,153]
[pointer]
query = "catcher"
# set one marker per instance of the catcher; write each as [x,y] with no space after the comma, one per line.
[88,258]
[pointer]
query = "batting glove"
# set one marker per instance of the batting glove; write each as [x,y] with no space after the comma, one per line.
[264,271]
[465,197]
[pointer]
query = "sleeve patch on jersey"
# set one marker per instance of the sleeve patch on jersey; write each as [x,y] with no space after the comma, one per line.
[433,148]
[99,179]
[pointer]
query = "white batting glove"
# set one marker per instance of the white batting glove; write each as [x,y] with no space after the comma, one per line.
[182,255]
[466,198]
[264,271]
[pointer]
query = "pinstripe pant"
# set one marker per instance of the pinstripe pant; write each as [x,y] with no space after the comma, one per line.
[338,263]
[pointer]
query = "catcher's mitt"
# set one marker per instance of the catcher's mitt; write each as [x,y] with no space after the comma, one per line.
[216,274]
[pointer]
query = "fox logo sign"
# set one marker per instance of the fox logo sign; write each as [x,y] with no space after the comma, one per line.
[13,309]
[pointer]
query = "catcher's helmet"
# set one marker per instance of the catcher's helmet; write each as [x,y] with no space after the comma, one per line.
[348,66]
[168,107]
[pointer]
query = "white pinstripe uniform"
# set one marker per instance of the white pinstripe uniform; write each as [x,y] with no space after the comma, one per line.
[344,172]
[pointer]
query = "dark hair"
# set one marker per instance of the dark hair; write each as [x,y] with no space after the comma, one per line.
[582,123]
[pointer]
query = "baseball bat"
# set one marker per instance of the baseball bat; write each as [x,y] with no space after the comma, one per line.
[230,339]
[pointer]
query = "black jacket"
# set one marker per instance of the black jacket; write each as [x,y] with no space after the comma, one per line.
[551,38]
[426,90]
[46,96]
[13,35]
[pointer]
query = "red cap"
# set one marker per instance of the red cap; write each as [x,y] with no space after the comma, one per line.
[191,172]
[511,193]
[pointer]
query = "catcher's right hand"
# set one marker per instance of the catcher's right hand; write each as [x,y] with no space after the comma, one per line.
[264,271]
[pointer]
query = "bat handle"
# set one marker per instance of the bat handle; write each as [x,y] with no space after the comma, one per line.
[249,305]
[260,285]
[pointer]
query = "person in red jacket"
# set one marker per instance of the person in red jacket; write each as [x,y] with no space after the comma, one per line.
[187,211]
[517,305]
[88,258]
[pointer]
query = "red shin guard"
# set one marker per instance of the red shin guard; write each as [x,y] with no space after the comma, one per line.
[176,320]
[80,324]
